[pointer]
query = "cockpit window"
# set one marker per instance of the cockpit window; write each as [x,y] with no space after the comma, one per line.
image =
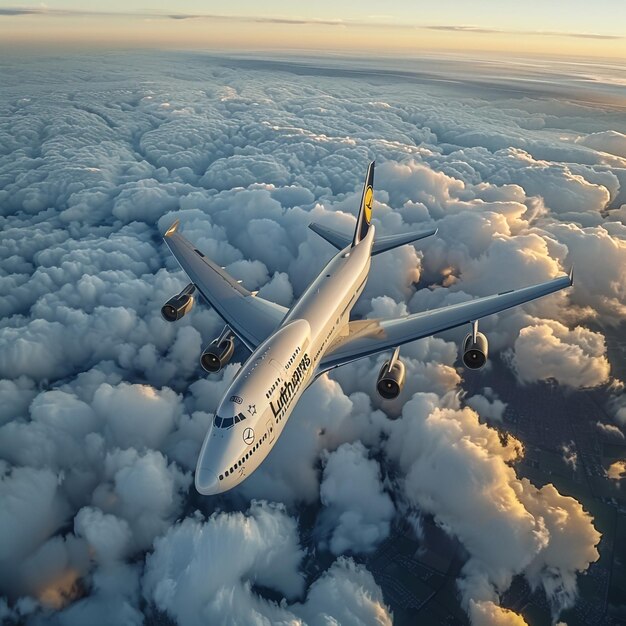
[228,422]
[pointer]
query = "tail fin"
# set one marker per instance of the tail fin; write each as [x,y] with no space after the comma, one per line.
[365,210]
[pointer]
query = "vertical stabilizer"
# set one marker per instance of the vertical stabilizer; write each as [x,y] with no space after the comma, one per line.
[365,209]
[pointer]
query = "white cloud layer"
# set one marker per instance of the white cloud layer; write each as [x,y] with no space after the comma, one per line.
[104,406]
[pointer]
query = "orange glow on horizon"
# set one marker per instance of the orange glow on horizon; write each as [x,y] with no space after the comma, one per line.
[117,31]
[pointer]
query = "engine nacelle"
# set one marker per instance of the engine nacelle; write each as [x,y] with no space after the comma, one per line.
[475,351]
[217,354]
[391,378]
[179,305]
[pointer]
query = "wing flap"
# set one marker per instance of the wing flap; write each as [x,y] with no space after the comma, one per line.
[252,319]
[366,337]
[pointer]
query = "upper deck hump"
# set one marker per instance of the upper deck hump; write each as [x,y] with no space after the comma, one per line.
[279,352]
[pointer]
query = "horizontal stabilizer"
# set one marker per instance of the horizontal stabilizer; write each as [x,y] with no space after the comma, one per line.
[334,237]
[381,244]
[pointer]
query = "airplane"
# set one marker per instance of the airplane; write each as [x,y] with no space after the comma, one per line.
[290,348]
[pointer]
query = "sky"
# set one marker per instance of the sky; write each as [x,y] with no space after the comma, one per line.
[505,27]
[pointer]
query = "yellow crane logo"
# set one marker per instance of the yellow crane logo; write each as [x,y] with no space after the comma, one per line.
[367,203]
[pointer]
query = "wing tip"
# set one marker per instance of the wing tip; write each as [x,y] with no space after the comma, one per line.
[172,229]
[571,275]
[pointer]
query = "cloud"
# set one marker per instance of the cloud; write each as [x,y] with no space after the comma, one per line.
[572,357]
[33,509]
[486,613]
[105,406]
[358,511]
[113,600]
[142,489]
[460,471]
[570,455]
[108,535]
[346,594]
[260,548]
[609,141]
[487,405]
[611,430]
[617,470]
[482,30]
[137,415]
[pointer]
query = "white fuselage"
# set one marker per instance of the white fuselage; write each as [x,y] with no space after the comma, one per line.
[253,412]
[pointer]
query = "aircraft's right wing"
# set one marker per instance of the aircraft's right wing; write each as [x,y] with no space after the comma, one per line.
[368,337]
[252,318]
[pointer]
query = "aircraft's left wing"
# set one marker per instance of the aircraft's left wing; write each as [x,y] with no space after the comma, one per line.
[251,318]
[366,337]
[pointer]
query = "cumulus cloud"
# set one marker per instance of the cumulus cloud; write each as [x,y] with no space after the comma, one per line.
[486,613]
[487,405]
[33,509]
[358,511]
[114,599]
[605,141]
[459,470]
[108,535]
[617,470]
[346,594]
[260,548]
[610,429]
[572,357]
[136,415]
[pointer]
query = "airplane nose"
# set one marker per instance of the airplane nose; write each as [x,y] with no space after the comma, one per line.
[206,482]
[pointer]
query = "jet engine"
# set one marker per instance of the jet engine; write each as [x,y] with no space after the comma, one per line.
[179,305]
[475,349]
[218,352]
[391,377]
